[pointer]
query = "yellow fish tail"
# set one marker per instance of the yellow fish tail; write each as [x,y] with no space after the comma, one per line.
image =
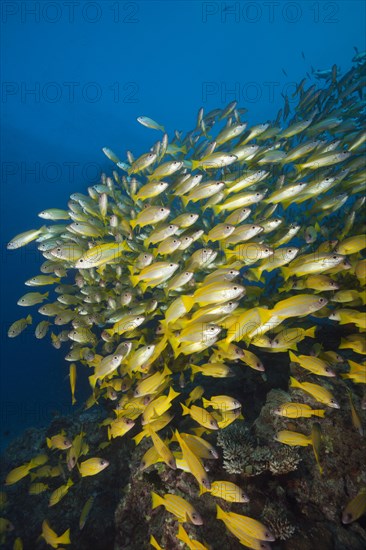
[310,332]
[157,500]
[185,409]
[188,302]
[64,538]
[293,357]
[294,383]
[220,514]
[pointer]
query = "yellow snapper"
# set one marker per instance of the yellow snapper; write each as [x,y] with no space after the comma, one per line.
[177,506]
[227,491]
[52,538]
[355,507]
[316,391]
[92,466]
[18,326]
[297,410]
[312,364]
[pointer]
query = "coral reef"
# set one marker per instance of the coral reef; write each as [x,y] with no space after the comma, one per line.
[278,522]
[150,269]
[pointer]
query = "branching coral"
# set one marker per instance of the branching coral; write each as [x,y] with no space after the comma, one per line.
[278,522]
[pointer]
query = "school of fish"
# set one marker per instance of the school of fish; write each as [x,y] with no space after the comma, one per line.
[194,258]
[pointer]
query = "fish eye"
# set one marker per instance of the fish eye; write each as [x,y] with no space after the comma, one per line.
[290,250]
[171,227]
[115,357]
[213,423]
[81,260]
[171,265]
[151,155]
[335,257]
[235,288]
[266,250]
[253,226]
[321,300]
[276,341]
[191,216]
[187,273]
[194,516]
[162,209]
[257,194]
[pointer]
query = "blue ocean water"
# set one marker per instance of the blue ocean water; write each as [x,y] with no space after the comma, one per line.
[75,75]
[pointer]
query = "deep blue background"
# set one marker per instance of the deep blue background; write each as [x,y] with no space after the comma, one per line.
[94,68]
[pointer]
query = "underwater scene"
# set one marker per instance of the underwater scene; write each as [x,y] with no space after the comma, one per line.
[183,275]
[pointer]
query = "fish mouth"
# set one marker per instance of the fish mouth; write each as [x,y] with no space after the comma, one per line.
[197,521]
[268,536]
